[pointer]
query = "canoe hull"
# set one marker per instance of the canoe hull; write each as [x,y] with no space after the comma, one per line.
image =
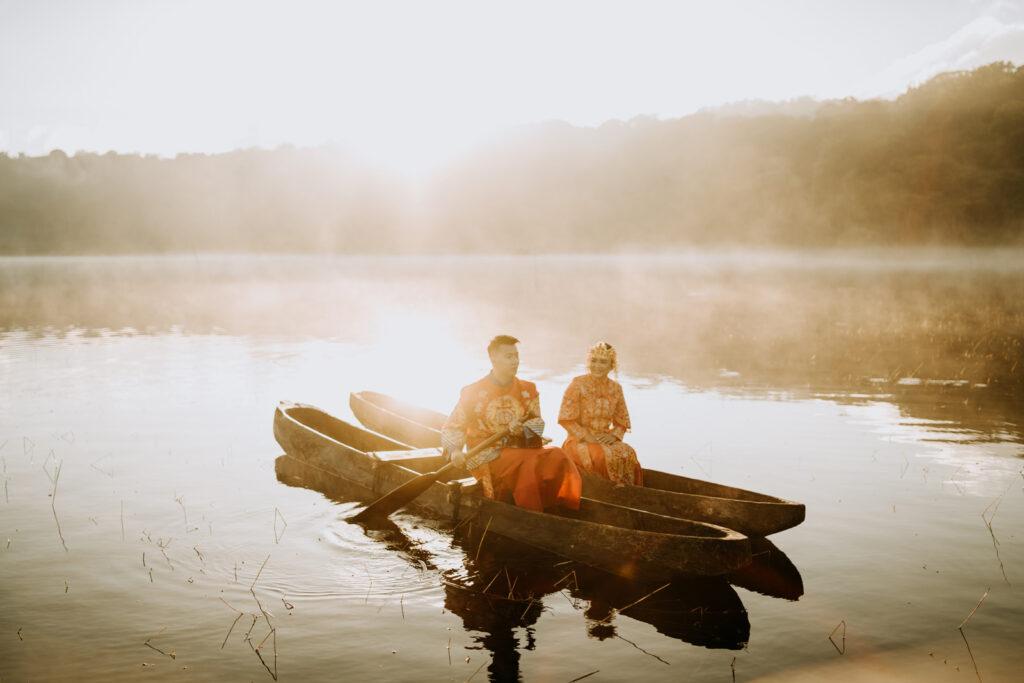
[620,540]
[748,512]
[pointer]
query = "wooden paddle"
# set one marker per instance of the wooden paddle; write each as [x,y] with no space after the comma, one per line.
[404,494]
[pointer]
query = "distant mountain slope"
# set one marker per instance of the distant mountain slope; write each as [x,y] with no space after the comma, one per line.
[941,164]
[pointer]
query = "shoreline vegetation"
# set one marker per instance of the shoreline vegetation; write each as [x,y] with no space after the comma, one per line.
[943,164]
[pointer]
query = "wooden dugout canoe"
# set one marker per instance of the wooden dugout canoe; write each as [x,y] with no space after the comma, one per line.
[619,540]
[705,611]
[748,512]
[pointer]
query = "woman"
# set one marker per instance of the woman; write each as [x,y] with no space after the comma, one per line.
[595,416]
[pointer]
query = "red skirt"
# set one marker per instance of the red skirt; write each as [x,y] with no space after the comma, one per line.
[537,478]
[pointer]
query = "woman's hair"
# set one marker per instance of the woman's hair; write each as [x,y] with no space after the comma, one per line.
[603,350]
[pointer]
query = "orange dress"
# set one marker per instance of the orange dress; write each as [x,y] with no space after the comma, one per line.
[536,478]
[593,406]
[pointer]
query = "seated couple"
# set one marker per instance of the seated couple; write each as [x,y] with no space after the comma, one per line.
[593,412]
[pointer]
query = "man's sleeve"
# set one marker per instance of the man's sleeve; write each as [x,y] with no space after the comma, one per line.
[534,427]
[453,431]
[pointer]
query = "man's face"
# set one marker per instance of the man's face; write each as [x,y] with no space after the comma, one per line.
[505,361]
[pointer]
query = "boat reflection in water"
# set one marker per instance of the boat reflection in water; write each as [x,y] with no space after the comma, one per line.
[771,573]
[501,587]
[501,591]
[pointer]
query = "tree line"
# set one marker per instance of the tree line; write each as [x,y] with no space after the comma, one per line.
[941,164]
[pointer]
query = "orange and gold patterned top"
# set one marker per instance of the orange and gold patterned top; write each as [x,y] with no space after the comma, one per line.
[594,406]
[486,407]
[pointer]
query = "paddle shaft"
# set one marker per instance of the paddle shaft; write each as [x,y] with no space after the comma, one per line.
[404,494]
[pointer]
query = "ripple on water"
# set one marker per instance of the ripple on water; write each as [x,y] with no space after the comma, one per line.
[356,567]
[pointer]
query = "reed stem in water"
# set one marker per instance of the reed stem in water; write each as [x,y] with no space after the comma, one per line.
[964,635]
[476,672]
[842,623]
[635,602]
[484,535]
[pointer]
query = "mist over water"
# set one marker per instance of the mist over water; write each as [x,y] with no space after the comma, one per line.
[881,388]
[903,322]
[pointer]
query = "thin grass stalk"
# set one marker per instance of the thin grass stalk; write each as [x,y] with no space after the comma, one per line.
[180,500]
[264,612]
[53,502]
[635,602]
[964,622]
[233,609]
[569,600]
[575,580]
[842,623]
[496,575]
[277,537]
[273,673]
[148,644]
[248,633]
[259,572]
[649,654]
[482,537]
[477,671]
[265,638]
[466,519]
[228,635]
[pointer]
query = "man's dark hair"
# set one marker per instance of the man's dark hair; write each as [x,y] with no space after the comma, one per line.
[500,340]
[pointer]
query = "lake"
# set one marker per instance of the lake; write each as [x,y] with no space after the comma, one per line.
[149,527]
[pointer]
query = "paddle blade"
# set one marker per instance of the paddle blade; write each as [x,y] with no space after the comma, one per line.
[401,496]
[390,502]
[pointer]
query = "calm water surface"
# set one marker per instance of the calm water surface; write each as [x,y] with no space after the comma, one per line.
[148,527]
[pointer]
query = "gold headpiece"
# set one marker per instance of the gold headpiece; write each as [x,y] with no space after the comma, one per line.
[605,351]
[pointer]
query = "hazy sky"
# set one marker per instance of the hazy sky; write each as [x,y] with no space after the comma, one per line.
[408,82]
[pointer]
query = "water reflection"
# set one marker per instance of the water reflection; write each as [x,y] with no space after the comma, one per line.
[501,587]
[163,377]
[941,334]
[502,591]
[771,573]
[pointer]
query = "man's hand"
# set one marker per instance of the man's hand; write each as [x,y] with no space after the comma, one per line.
[459,459]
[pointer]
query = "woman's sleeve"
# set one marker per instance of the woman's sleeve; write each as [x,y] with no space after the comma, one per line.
[569,413]
[620,417]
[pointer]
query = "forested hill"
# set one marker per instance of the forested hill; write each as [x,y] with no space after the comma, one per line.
[941,164]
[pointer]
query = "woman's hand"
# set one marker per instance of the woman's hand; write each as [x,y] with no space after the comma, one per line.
[603,439]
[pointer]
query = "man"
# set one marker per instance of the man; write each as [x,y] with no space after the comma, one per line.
[535,476]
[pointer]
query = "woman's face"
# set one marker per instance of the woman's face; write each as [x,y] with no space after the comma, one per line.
[599,367]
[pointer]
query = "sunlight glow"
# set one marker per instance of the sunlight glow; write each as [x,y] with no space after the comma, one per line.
[408,84]
[426,364]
